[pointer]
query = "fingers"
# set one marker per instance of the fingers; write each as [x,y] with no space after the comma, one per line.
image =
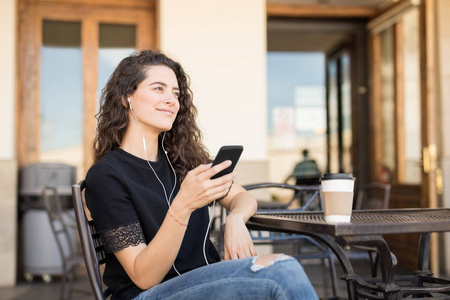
[238,242]
[227,254]
[200,169]
[206,172]
[217,168]
[200,189]
[240,252]
[218,187]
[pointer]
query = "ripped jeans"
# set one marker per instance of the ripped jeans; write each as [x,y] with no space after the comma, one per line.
[281,278]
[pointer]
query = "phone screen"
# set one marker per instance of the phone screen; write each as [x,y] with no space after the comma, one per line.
[227,153]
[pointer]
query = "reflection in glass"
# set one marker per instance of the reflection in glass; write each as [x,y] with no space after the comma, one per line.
[116,42]
[296,110]
[411,102]
[346,107]
[387,99]
[333,118]
[61,107]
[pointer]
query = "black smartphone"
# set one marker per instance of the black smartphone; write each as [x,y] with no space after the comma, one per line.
[227,153]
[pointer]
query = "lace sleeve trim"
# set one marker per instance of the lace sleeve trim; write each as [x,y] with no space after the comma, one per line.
[119,238]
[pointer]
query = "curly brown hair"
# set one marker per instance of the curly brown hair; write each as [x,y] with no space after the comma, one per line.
[182,142]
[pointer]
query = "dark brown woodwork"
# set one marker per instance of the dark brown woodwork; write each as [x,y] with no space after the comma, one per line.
[320,11]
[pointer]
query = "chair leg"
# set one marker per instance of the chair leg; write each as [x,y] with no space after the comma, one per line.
[64,293]
[334,282]
[68,279]
[373,263]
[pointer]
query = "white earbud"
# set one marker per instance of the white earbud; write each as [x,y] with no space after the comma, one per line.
[129,101]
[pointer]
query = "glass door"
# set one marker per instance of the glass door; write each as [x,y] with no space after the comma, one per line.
[397,102]
[403,144]
[61,93]
[68,52]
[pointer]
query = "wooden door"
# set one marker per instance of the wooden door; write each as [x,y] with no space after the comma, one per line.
[403,143]
[67,50]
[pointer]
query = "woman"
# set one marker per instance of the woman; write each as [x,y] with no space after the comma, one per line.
[149,190]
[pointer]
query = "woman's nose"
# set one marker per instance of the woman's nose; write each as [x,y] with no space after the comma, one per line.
[170,99]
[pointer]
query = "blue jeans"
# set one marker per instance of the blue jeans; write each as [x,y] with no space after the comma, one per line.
[240,279]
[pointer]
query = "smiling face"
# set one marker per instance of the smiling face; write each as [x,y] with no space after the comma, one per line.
[155,101]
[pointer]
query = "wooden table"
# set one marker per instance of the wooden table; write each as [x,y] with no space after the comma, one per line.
[366,229]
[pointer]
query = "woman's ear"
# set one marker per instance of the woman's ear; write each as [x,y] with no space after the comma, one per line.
[127,102]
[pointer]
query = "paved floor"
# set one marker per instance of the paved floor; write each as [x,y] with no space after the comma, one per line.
[38,290]
[318,274]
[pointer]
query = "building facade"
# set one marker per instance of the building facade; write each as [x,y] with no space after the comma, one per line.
[223,47]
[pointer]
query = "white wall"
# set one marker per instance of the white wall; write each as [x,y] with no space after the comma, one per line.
[222,46]
[8,163]
[7,84]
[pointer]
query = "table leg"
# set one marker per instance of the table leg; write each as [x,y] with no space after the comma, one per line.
[350,277]
[424,252]
[423,259]
[390,289]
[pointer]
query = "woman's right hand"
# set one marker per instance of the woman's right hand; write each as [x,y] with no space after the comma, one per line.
[198,189]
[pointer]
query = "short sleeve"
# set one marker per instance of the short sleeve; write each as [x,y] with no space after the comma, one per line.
[122,237]
[107,198]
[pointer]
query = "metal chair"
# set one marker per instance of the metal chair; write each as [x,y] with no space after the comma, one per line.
[304,247]
[300,193]
[91,245]
[374,195]
[63,227]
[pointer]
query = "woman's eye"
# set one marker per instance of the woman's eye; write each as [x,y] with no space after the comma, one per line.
[159,88]
[176,94]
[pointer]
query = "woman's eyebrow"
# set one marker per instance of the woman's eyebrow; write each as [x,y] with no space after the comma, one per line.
[158,82]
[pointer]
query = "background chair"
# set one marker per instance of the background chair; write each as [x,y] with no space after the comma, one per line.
[91,245]
[374,195]
[304,247]
[305,194]
[63,226]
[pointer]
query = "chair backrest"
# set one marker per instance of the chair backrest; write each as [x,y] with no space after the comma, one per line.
[373,196]
[312,200]
[307,194]
[91,245]
[62,225]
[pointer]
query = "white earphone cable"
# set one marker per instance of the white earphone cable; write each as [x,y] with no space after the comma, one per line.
[207,230]
[168,198]
[148,162]
[154,172]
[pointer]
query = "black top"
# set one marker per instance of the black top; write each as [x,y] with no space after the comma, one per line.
[128,206]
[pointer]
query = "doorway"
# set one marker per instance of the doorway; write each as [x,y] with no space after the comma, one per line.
[393,132]
[324,112]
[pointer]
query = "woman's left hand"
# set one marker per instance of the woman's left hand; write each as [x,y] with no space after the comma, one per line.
[238,242]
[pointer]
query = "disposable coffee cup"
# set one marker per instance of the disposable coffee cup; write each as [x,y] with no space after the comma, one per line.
[337,196]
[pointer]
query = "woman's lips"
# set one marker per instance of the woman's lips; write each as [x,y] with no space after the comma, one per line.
[166,111]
